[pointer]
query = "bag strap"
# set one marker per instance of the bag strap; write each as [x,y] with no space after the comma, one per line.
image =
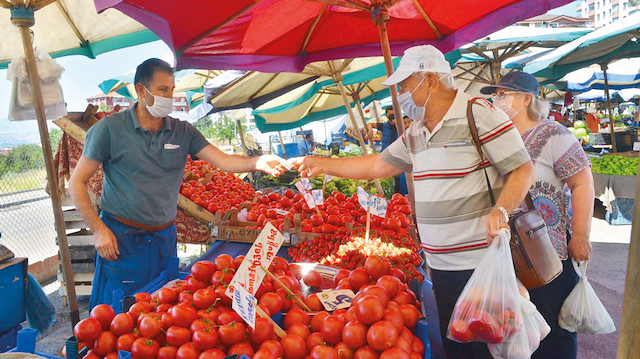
[476,140]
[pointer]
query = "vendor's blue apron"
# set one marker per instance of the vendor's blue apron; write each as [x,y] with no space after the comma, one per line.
[143,256]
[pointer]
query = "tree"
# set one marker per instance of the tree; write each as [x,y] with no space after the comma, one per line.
[205,126]
[225,129]
[55,136]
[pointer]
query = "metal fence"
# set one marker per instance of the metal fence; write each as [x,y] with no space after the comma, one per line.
[26,216]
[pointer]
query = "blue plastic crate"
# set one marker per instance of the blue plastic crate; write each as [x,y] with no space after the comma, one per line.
[26,343]
[13,288]
[622,212]
[8,339]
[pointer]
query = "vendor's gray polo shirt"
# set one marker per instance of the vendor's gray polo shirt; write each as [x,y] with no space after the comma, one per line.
[142,171]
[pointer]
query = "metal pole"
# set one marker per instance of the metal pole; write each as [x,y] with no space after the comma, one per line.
[355,126]
[629,340]
[244,145]
[612,125]
[381,21]
[284,153]
[52,178]
[356,99]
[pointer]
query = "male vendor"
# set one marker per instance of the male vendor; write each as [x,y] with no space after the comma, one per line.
[143,152]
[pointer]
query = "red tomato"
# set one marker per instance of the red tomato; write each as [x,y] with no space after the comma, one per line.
[369,309]
[124,342]
[178,335]
[144,348]
[354,334]
[138,308]
[212,354]
[358,278]
[187,351]
[122,324]
[313,340]
[240,349]
[460,331]
[332,329]
[228,316]
[394,353]
[87,330]
[150,326]
[394,315]
[204,298]
[382,335]
[300,330]
[183,315]
[201,324]
[142,297]
[340,274]
[312,278]
[210,313]
[323,352]
[224,261]
[231,333]
[365,352]
[316,321]
[163,308]
[205,339]
[313,302]
[410,314]
[272,346]
[203,270]
[296,315]
[104,314]
[105,344]
[378,292]
[167,352]
[390,283]
[263,331]
[293,347]
[376,267]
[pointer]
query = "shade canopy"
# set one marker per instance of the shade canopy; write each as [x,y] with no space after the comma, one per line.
[285,35]
[622,74]
[73,27]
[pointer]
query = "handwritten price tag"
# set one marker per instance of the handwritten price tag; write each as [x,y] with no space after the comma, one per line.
[308,197]
[363,198]
[374,204]
[261,253]
[243,304]
[318,196]
[336,299]
[327,178]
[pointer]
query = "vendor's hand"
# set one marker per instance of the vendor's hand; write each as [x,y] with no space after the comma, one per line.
[271,165]
[308,166]
[106,244]
[580,249]
[495,221]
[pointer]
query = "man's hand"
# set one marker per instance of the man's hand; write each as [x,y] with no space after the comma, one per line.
[271,165]
[495,221]
[308,166]
[580,249]
[106,244]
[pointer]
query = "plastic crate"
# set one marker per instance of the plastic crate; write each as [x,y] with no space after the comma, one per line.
[8,339]
[26,343]
[13,281]
[622,213]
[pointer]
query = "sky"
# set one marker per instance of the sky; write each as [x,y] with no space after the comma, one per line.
[82,75]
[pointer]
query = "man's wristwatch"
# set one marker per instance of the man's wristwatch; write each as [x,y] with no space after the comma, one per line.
[504,213]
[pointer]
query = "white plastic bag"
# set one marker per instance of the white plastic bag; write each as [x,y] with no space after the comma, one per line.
[524,343]
[21,103]
[488,309]
[582,311]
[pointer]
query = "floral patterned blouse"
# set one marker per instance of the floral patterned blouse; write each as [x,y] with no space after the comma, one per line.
[556,155]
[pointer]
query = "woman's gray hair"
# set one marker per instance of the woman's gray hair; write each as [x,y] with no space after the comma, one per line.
[538,109]
[445,79]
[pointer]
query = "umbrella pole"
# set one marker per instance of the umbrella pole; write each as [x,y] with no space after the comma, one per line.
[364,122]
[244,145]
[629,341]
[23,24]
[355,124]
[284,153]
[612,125]
[381,21]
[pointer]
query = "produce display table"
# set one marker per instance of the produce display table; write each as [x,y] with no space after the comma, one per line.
[616,194]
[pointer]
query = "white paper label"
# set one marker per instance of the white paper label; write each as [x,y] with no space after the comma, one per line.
[363,198]
[318,196]
[281,212]
[308,197]
[336,299]
[243,304]
[378,206]
[306,183]
[261,253]
[327,178]
[636,146]
[300,187]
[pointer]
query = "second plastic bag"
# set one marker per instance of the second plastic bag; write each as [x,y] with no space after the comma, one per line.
[488,309]
[582,311]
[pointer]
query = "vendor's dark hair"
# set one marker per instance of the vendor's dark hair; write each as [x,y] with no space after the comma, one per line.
[387,108]
[308,135]
[145,71]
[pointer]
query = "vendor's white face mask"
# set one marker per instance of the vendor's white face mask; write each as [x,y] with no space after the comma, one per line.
[161,107]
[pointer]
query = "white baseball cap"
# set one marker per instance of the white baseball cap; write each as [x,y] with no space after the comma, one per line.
[419,58]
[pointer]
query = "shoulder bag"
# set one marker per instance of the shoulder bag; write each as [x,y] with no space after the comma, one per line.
[535,260]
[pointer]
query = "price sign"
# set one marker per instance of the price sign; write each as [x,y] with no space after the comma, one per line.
[281,212]
[336,299]
[244,304]
[327,178]
[261,253]
[308,197]
[363,198]
[318,196]
[374,204]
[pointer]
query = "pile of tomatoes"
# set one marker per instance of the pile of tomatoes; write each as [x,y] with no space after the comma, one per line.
[351,251]
[213,189]
[193,319]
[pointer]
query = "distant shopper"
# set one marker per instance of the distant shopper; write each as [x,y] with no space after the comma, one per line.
[388,129]
[593,124]
[306,146]
[562,191]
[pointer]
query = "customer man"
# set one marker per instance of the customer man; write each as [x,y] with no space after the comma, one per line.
[143,152]
[306,146]
[454,215]
[389,130]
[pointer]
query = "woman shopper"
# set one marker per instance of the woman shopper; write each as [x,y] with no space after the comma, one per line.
[562,191]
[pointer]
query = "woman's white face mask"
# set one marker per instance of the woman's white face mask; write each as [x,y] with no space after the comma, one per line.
[505,103]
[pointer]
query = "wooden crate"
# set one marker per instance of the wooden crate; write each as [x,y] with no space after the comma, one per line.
[82,266]
[83,283]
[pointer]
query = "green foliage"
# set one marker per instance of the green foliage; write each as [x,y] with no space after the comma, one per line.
[54,136]
[21,158]
[205,126]
[225,129]
[349,186]
[615,165]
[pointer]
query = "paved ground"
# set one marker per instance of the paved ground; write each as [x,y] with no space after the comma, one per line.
[606,273]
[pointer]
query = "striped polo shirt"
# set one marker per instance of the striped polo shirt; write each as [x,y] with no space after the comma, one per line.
[452,200]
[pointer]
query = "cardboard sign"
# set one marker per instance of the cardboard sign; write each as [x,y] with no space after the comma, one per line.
[318,196]
[243,304]
[336,299]
[262,252]
[374,204]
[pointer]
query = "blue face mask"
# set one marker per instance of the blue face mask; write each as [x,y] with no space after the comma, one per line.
[409,106]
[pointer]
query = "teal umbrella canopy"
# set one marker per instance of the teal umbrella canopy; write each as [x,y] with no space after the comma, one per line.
[73,27]
[615,41]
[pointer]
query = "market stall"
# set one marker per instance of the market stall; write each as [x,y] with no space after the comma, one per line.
[614,180]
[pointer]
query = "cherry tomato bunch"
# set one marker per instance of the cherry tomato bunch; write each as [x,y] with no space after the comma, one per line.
[213,189]
[193,319]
